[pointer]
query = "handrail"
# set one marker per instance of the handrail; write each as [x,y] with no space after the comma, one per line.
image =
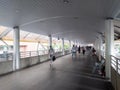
[36,53]
[9,56]
[115,57]
[116,64]
[116,67]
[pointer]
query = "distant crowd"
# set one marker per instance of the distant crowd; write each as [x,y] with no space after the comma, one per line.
[99,66]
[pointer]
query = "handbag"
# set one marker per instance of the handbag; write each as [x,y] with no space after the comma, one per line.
[53,58]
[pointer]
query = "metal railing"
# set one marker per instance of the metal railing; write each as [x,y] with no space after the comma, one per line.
[36,53]
[115,63]
[9,56]
[6,57]
[33,53]
[58,50]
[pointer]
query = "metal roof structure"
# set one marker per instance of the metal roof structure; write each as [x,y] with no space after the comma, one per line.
[24,35]
[72,19]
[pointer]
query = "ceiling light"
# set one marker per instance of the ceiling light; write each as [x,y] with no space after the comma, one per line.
[76,17]
[66,1]
[17,11]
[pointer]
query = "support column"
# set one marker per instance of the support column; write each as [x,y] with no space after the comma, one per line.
[109,41]
[70,44]
[95,44]
[50,40]
[74,42]
[100,47]
[63,50]
[16,54]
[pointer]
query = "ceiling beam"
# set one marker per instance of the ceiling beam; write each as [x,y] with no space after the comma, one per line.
[5,33]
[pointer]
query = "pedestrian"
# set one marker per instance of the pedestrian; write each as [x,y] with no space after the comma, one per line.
[83,51]
[79,49]
[96,68]
[73,51]
[52,56]
[102,67]
[93,51]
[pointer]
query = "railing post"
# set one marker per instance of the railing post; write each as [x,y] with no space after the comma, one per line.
[37,53]
[30,54]
[117,65]
[38,56]
[63,50]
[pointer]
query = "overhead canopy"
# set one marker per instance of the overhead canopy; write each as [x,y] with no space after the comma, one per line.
[24,36]
[70,19]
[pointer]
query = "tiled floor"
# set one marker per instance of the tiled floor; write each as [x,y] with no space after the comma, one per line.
[67,74]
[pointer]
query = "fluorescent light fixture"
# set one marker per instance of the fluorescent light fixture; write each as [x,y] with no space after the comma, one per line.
[66,1]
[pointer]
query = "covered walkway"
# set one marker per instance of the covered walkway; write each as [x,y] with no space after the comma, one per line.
[28,28]
[67,74]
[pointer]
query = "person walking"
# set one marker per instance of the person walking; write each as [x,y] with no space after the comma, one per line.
[83,51]
[96,67]
[52,56]
[73,51]
[79,49]
[93,51]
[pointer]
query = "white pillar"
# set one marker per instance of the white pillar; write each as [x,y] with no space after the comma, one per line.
[109,41]
[74,43]
[100,47]
[63,50]
[50,40]
[16,54]
[70,44]
[96,44]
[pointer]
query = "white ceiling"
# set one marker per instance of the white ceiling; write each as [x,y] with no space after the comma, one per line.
[77,20]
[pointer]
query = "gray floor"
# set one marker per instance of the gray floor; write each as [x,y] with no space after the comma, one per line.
[67,74]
